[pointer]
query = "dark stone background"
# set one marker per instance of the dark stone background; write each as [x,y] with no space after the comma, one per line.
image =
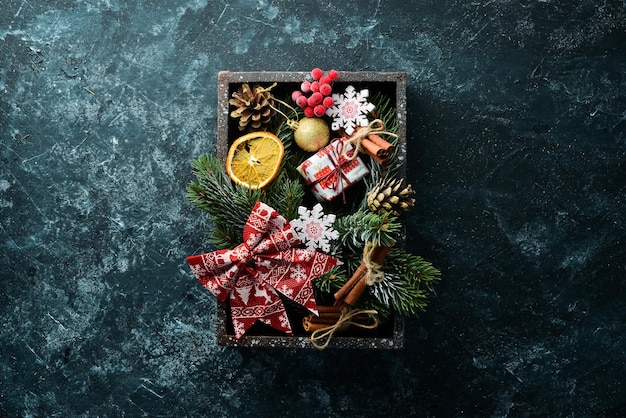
[517,122]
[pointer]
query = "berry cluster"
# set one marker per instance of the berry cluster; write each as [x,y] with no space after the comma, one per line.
[318,90]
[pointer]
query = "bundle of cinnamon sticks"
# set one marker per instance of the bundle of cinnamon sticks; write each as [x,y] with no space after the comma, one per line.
[349,294]
[377,148]
[328,316]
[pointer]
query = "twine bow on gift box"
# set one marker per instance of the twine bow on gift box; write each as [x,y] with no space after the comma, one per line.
[253,273]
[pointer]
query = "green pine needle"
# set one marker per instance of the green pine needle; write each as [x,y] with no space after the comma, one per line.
[331,281]
[229,205]
[386,112]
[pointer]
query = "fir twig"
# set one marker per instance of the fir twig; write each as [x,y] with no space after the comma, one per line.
[331,281]
[285,195]
[228,205]
[364,226]
[408,282]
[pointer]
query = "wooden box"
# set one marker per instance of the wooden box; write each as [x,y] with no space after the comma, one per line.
[393,84]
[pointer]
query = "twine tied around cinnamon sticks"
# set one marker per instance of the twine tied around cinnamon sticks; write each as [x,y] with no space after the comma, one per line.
[367,140]
[336,318]
[368,273]
[374,274]
[322,334]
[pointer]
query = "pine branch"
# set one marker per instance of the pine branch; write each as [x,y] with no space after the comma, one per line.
[384,311]
[386,112]
[285,195]
[228,205]
[283,131]
[331,281]
[408,283]
[364,226]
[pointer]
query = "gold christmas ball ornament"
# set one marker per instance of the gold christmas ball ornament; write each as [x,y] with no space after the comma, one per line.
[312,134]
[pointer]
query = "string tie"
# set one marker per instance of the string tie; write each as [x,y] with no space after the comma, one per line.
[376,126]
[320,338]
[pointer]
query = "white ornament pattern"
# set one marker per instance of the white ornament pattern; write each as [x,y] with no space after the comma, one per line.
[314,228]
[298,273]
[350,110]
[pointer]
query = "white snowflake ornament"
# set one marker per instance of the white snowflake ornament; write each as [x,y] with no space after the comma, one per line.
[350,110]
[314,228]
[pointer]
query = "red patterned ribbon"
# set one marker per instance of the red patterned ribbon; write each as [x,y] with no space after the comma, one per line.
[265,263]
[336,175]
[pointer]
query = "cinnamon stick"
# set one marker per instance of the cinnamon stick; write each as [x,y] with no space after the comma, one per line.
[387,147]
[313,323]
[379,254]
[353,296]
[373,149]
[311,326]
[381,160]
[318,320]
[328,315]
[376,152]
[345,289]
[352,290]
[326,309]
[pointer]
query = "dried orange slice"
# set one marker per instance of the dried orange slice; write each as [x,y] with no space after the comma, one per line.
[254,159]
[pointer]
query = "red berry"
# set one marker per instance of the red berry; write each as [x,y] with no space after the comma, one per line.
[316,98]
[325,79]
[301,102]
[325,89]
[328,102]
[295,95]
[319,111]
[309,112]
[333,74]
[305,86]
[316,73]
[315,86]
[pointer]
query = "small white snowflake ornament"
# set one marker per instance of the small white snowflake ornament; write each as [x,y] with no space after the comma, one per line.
[350,110]
[314,228]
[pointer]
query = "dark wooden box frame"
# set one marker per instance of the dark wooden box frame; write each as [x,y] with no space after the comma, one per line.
[394,83]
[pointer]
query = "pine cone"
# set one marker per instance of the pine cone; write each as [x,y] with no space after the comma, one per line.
[253,106]
[391,196]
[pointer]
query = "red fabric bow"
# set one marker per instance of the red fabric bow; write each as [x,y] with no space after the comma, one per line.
[253,272]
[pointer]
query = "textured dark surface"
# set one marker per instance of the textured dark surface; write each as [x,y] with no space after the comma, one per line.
[516,130]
